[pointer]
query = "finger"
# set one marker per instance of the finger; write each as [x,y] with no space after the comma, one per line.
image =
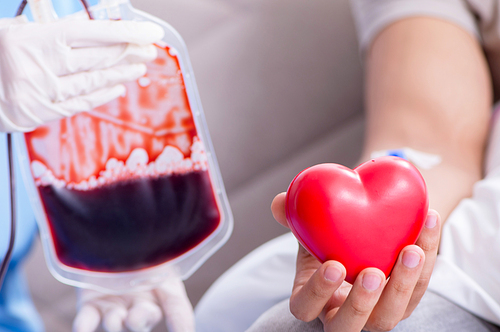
[339,296]
[87,319]
[394,300]
[94,58]
[143,316]
[85,33]
[354,313]
[278,209]
[177,308]
[90,101]
[114,318]
[429,242]
[305,266]
[87,82]
[25,116]
[308,300]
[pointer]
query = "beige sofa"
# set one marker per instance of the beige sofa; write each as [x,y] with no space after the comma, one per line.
[281,86]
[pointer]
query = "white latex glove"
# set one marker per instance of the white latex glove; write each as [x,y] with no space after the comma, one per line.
[138,312]
[12,20]
[53,70]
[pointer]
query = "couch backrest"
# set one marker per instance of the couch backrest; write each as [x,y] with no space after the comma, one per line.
[273,75]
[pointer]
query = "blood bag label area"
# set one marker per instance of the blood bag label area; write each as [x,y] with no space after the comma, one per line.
[127,185]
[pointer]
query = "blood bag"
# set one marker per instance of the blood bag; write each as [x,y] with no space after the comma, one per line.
[130,191]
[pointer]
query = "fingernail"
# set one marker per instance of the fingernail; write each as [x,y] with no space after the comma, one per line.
[411,259]
[332,273]
[371,281]
[431,221]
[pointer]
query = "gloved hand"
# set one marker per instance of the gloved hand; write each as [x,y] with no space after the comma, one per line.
[139,312]
[53,70]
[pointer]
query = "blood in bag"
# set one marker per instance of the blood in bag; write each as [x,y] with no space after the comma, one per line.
[131,224]
[127,185]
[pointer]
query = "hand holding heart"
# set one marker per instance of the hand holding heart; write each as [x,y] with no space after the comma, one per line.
[369,301]
[362,217]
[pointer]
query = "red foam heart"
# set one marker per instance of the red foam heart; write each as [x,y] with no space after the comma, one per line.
[362,217]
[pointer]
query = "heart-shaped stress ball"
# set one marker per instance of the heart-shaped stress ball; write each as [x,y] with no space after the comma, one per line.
[362,217]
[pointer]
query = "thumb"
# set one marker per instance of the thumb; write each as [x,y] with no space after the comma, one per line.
[278,208]
[177,308]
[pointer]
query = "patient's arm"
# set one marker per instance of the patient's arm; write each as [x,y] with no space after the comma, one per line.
[428,87]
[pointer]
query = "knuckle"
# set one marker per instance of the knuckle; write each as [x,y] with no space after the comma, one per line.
[402,288]
[407,314]
[317,293]
[422,282]
[381,325]
[299,313]
[428,246]
[360,308]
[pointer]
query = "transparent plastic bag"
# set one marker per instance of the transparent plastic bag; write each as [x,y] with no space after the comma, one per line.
[130,191]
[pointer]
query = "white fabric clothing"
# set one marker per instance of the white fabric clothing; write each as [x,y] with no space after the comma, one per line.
[257,282]
[467,270]
[372,17]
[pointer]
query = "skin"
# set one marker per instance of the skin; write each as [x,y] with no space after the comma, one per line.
[428,88]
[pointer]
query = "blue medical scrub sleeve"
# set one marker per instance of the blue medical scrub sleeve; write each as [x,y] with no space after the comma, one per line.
[8,8]
[17,312]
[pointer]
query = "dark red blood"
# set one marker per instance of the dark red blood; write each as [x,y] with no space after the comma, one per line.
[133,224]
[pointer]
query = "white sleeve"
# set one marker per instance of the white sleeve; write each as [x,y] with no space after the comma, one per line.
[468,266]
[371,17]
[257,282]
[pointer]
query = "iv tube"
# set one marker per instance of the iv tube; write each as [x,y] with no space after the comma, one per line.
[8,255]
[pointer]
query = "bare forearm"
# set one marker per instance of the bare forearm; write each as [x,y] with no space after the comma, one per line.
[428,88]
